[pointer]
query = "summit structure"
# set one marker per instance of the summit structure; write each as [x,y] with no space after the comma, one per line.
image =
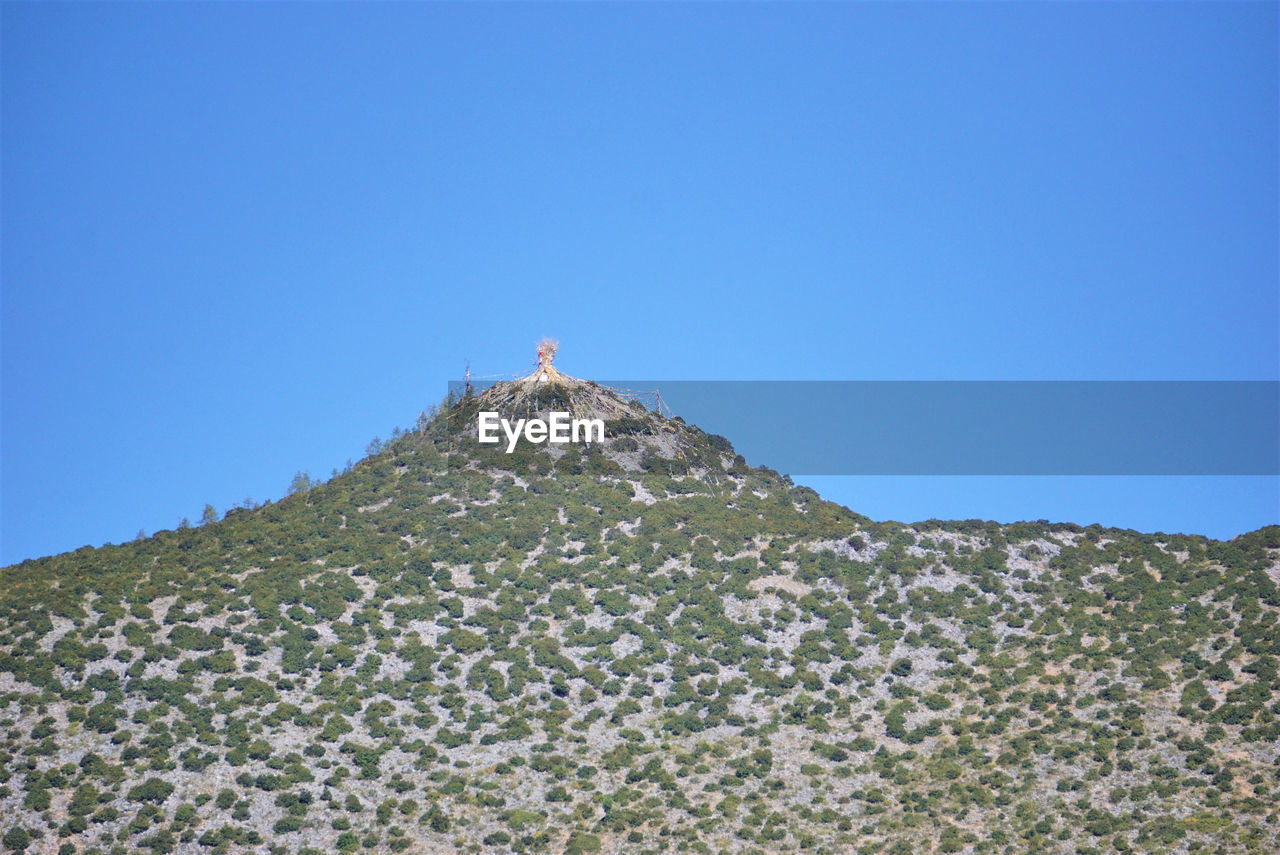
[548,389]
[546,373]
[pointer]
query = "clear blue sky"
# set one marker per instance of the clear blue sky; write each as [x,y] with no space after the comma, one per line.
[240,240]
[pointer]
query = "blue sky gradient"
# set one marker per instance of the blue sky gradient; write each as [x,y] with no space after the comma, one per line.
[240,240]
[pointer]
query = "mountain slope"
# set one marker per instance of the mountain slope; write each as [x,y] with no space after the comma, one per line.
[640,646]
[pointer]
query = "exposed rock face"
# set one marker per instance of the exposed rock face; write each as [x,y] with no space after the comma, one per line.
[542,392]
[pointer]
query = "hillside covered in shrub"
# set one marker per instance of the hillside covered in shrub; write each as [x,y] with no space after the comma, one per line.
[639,646]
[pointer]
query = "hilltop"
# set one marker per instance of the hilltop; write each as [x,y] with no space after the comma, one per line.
[640,645]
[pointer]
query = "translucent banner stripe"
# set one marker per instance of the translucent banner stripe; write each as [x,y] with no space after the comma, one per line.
[984,427]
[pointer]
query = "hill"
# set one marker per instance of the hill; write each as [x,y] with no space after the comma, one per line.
[641,645]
